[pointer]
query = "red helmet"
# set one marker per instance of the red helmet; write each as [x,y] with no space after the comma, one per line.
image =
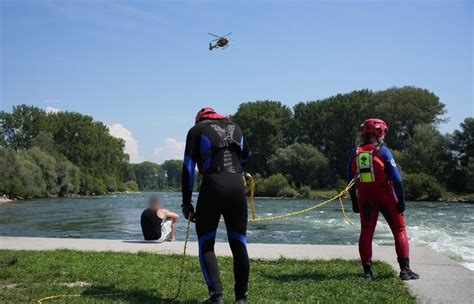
[374,126]
[208,113]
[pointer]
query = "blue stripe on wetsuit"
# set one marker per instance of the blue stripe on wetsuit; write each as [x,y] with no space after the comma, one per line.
[237,236]
[189,164]
[204,238]
[393,172]
[205,146]
[242,145]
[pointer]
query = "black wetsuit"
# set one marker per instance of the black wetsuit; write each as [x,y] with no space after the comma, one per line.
[219,149]
[151,225]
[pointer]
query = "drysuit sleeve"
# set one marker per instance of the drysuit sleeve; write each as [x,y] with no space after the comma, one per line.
[245,151]
[393,172]
[191,154]
[350,175]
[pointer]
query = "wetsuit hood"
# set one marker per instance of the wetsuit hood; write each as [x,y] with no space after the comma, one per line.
[208,113]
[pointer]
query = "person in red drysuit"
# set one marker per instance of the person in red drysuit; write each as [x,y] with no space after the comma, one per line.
[378,188]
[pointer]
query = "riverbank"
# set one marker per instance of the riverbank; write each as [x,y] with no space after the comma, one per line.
[314,194]
[442,280]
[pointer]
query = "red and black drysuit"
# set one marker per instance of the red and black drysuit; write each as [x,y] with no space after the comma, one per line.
[378,189]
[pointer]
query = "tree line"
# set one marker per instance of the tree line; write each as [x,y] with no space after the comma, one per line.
[307,147]
[67,153]
[295,151]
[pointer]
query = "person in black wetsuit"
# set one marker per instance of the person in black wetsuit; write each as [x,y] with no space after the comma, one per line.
[218,148]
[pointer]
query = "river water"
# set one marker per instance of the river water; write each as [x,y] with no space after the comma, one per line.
[445,227]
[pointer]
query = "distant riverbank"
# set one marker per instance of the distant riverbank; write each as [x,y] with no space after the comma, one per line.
[314,194]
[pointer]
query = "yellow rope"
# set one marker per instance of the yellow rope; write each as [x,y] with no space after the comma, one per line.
[252,194]
[183,261]
[40,301]
[339,196]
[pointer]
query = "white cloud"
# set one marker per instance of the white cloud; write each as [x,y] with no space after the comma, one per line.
[52,110]
[131,144]
[172,149]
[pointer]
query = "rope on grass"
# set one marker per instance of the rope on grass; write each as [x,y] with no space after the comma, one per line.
[183,261]
[40,301]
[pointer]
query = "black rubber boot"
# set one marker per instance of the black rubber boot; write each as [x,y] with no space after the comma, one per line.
[240,294]
[368,272]
[405,271]
[214,299]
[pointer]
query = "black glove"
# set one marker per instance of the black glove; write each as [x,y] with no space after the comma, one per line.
[188,212]
[355,205]
[401,206]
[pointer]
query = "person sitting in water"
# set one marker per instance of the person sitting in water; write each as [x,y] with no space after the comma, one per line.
[158,224]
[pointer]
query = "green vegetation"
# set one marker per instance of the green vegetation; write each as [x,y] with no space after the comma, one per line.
[295,152]
[26,276]
[66,153]
[310,144]
[50,154]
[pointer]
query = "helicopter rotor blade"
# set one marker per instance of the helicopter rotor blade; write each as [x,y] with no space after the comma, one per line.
[216,39]
[214,35]
[227,34]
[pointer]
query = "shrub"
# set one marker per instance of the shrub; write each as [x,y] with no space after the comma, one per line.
[131,186]
[420,186]
[271,185]
[304,191]
[287,191]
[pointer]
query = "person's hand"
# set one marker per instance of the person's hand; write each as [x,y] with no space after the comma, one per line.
[401,206]
[355,205]
[188,212]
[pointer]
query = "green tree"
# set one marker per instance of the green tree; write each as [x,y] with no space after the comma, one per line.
[303,164]
[420,186]
[173,168]
[274,185]
[18,128]
[69,177]
[403,109]
[331,125]
[462,145]
[149,176]
[427,151]
[266,127]
[45,141]
[48,167]
[10,180]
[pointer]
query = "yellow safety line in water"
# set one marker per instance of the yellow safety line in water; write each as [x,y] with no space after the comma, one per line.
[295,213]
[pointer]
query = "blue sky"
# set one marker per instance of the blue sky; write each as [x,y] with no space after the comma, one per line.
[143,67]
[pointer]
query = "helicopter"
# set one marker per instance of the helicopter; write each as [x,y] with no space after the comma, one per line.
[220,42]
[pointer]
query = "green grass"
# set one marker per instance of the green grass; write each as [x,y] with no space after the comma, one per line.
[26,276]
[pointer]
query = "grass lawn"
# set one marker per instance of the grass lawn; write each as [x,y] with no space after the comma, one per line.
[26,276]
